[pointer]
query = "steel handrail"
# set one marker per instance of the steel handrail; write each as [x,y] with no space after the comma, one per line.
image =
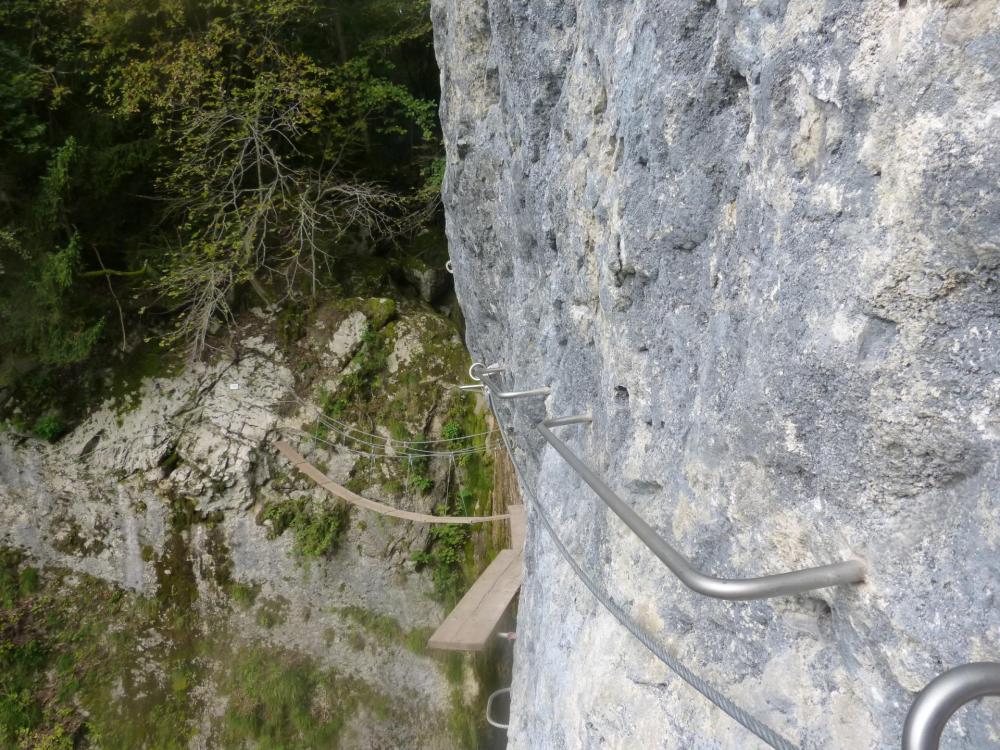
[764,587]
[942,697]
[474,387]
[543,391]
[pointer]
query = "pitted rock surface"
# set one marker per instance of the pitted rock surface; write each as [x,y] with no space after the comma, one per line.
[758,242]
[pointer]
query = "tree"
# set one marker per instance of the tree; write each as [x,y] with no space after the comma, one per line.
[165,155]
[265,136]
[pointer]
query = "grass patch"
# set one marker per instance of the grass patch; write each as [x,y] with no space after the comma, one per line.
[244,595]
[272,612]
[278,699]
[386,629]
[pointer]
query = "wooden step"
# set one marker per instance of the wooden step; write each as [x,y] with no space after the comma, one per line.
[470,625]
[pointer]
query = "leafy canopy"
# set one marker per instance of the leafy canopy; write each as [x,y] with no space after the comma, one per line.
[161,156]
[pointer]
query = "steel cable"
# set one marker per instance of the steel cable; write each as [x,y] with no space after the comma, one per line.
[343,427]
[740,715]
[384,454]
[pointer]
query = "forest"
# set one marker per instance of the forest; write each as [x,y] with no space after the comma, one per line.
[165,163]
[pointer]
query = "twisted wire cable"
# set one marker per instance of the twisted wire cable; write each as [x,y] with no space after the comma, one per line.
[398,456]
[343,427]
[740,715]
[411,452]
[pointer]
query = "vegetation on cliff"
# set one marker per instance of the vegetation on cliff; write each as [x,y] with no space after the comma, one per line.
[164,164]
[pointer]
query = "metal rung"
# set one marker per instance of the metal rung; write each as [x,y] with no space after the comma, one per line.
[545,391]
[489,708]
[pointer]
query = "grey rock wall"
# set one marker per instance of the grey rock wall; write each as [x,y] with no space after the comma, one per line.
[102,499]
[760,243]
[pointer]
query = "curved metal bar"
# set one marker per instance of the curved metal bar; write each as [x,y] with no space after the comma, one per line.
[448,266]
[942,697]
[479,367]
[780,584]
[489,708]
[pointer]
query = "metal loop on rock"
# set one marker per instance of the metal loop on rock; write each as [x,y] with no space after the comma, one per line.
[942,697]
[481,369]
[489,708]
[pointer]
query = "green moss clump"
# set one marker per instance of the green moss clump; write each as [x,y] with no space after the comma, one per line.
[272,612]
[49,427]
[243,595]
[379,311]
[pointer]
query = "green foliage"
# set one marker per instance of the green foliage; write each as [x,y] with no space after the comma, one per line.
[160,161]
[83,665]
[366,370]
[270,702]
[48,427]
[317,529]
[243,595]
[444,559]
[16,581]
[277,699]
[52,189]
[20,83]
[40,317]
[261,118]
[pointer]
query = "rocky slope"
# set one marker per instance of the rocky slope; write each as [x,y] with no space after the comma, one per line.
[170,493]
[759,243]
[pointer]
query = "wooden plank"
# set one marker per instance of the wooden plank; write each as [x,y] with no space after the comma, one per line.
[478,629]
[449,635]
[471,623]
[300,463]
[518,527]
[476,593]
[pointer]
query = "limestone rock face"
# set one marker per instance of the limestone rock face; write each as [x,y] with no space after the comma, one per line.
[106,499]
[760,243]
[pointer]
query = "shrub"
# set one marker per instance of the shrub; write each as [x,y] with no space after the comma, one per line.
[317,530]
[48,427]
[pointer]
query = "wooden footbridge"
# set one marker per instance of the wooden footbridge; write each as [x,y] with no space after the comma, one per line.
[470,625]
